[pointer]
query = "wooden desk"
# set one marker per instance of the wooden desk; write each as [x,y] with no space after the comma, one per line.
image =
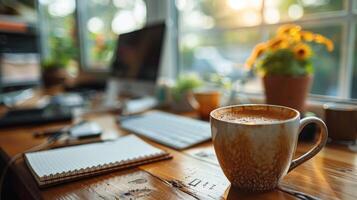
[191,174]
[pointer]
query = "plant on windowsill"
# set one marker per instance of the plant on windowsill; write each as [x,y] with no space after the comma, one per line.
[284,62]
[56,68]
[182,92]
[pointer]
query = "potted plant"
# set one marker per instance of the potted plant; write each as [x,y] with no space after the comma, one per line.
[182,92]
[53,73]
[284,62]
[57,66]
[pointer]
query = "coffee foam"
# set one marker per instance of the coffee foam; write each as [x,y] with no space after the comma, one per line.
[248,119]
[253,116]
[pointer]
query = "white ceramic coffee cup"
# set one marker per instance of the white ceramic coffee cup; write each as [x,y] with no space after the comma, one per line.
[255,157]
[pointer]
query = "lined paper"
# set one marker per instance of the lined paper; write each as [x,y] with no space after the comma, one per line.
[100,155]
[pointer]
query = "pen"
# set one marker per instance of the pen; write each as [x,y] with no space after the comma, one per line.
[56,131]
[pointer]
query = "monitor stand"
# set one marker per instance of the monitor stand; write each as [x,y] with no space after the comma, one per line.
[111,94]
[138,95]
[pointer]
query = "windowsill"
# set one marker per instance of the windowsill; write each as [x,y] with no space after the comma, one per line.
[314,102]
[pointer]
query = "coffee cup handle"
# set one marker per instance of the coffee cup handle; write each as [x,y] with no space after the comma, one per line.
[318,146]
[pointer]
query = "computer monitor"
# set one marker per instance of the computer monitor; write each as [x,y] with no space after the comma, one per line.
[20,69]
[136,61]
[19,61]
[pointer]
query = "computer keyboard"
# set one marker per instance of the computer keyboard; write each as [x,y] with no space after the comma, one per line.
[171,130]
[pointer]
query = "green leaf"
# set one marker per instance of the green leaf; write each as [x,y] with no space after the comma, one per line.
[185,83]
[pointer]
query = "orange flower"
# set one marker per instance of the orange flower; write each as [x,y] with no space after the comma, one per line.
[100,41]
[280,42]
[323,40]
[289,29]
[329,45]
[319,39]
[258,50]
[290,36]
[284,45]
[296,37]
[307,36]
[275,43]
[249,63]
[302,51]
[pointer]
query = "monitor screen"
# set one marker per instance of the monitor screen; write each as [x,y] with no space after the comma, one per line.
[20,65]
[138,53]
[20,69]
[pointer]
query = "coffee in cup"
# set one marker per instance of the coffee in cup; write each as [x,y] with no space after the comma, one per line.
[255,144]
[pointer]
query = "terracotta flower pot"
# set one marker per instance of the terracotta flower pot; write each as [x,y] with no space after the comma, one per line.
[287,90]
[54,76]
[182,104]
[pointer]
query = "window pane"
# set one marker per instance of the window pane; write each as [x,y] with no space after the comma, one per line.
[221,52]
[102,22]
[326,63]
[207,14]
[218,52]
[58,32]
[354,79]
[282,10]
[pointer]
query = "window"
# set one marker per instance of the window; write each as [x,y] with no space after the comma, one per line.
[217,36]
[279,10]
[57,27]
[326,64]
[100,24]
[77,32]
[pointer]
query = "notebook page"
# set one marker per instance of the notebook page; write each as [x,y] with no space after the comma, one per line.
[67,159]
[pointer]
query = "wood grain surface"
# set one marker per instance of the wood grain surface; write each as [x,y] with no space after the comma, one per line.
[191,174]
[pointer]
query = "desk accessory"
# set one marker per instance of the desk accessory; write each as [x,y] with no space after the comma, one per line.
[341,121]
[85,129]
[65,164]
[51,132]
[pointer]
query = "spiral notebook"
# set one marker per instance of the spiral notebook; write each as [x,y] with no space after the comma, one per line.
[55,166]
